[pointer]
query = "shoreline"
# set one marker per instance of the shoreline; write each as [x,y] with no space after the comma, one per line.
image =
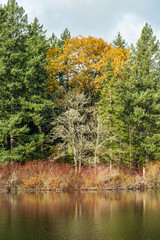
[40,176]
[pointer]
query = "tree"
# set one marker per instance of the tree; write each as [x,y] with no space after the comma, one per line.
[74,130]
[37,105]
[113,118]
[145,90]
[81,64]
[24,105]
[119,42]
[130,104]
[12,85]
[55,42]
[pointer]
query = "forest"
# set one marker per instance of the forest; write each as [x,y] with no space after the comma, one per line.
[76,101]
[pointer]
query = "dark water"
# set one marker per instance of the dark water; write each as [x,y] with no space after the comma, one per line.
[80,216]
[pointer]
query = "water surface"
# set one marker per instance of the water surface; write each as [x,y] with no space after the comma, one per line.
[80,216]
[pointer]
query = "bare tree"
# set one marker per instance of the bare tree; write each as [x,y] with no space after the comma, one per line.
[74,128]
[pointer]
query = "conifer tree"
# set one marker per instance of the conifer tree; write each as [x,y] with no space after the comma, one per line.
[37,105]
[59,42]
[119,42]
[136,102]
[145,91]
[114,137]
[23,103]
[12,73]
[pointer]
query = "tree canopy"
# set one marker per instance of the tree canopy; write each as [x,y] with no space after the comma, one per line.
[82,62]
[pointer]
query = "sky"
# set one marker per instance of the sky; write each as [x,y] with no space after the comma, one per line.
[99,18]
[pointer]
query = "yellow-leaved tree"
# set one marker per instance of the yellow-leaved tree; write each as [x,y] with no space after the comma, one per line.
[81,63]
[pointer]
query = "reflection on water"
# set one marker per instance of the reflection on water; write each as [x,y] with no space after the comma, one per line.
[76,216]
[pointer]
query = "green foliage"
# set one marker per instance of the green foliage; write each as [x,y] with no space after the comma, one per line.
[126,127]
[59,42]
[24,106]
[130,105]
[144,79]
[119,42]
[114,140]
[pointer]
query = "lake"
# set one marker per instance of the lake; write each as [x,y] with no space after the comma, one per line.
[80,216]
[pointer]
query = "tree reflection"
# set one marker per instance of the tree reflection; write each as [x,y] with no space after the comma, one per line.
[88,215]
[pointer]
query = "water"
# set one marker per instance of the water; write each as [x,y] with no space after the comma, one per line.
[80,216]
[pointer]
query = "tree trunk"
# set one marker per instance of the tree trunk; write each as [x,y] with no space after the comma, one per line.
[144,171]
[79,166]
[97,143]
[75,166]
[110,166]
[145,167]
[75,160]
[147,160]
[130,144]
[40,132]
[11,142]
[147,154]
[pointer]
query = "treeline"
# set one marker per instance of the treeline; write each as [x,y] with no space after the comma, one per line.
[78,100]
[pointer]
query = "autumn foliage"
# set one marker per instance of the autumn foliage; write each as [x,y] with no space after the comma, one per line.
[81,63]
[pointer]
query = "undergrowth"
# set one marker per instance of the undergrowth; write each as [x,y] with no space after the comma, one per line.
[49,176]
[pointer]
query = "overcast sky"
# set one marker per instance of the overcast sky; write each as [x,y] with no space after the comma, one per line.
[99,18]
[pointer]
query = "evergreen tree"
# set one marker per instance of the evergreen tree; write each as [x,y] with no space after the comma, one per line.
[136,103]
[145,91]
[24,106]
[59,42]
[37,105]
[114,133]
[119,42]
[12,74]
